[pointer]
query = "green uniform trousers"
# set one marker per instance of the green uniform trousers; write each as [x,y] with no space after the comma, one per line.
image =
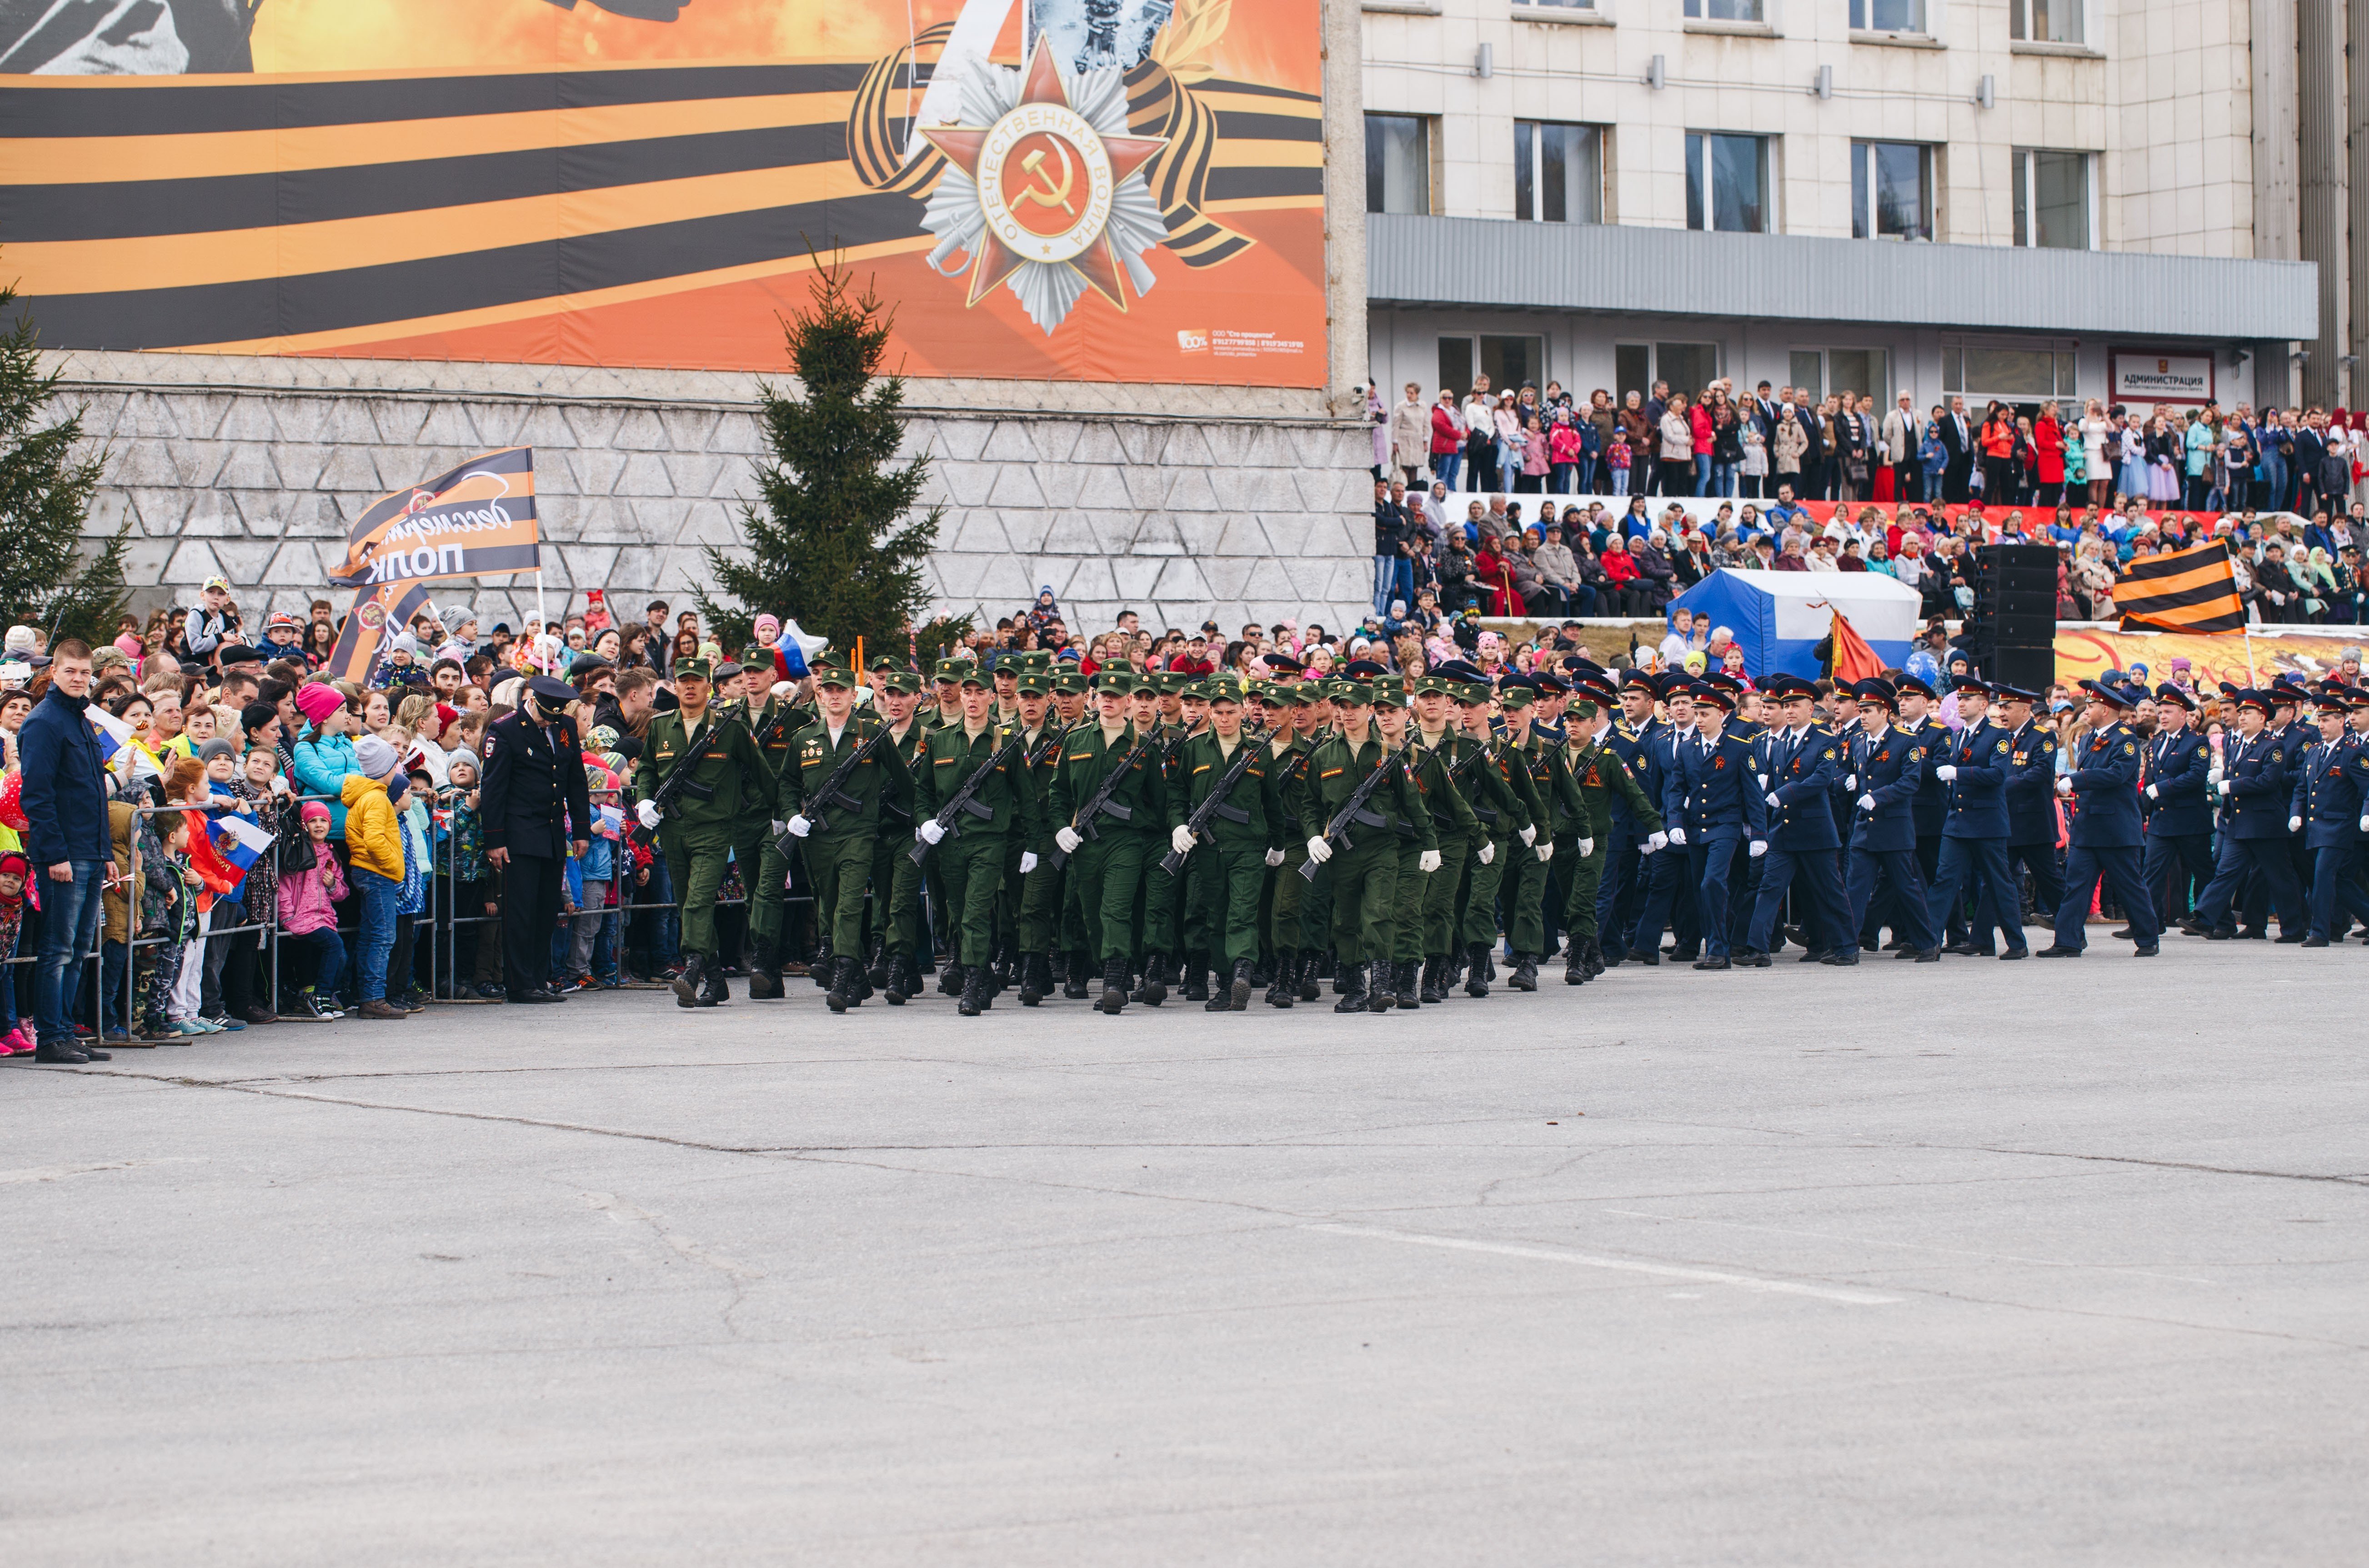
[1439,892]
[1109,875]
[838,867]
[1287,899]
[1526,898]
[1365,883]
[970,869]
[1480,918]
[1406,909]
[696,866]
[1223,919]
[771,870]
[1040,908]
[1586,875]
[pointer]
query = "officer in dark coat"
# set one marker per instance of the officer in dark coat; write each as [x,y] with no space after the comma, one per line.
[1975,765]
[2031,796]
[532,801]
[1802,760]
[2332,799]
[1888,766]
[2104,788]
[2177,803]
[1714,808]
[2254,791]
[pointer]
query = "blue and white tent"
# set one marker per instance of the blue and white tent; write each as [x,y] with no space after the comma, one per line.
[1779,617]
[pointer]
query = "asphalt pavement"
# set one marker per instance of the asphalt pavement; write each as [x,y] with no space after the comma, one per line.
[1980,1263]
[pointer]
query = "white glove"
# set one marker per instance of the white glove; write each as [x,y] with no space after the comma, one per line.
[797,827]
[929,832]
[1180,839]
[1319,851]
[1850,780]
[1655,843]
[1586,848]
[2065,786]
[1488,853]
[2212,774]
[2294,824]
[2224,786]
[1764,781]
[1759,848]
[1774,802]
[1529,835]
[2153,793]
[2364,824]
[1866,803]
[647,813]
[1545,851]
[1067,839]
[1274,857]
[1678,837]
[1427,861]
[780,826]
[1027,862]
[1946,772]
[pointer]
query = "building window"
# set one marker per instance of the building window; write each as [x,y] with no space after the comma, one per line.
[2011,375]
[1888,15]
[1510,363]
[1892,190]
[1727,10]
[1727,182]
[1567,4]
[1686,367]
[1558,172]
[2046,21]
[1398,164]
[2052,199]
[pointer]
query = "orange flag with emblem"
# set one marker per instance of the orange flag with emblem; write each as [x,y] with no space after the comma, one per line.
[1854,660]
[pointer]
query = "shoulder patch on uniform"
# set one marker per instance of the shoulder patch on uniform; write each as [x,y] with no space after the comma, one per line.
[2130,748]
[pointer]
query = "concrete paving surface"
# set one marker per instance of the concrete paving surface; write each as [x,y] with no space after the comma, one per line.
[1985,1264]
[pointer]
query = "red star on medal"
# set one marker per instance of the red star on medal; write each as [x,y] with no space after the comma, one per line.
[1098,264]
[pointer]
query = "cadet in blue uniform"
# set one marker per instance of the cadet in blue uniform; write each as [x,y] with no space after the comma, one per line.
[1629,867]
[1802,759]
[2255,792]
[1712,806]
[1887,768]
[1670,900]
[2177,806]
[2104,789]
[1973,834]
[2031,796]
[2332,811]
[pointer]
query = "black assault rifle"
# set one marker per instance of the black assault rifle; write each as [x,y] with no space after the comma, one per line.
[834,788]
[677,781]
[1100,803]
[1354,809]
[961,801]
[1214,804]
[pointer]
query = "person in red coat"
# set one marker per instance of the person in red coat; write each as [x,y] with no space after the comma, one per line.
[2048,455]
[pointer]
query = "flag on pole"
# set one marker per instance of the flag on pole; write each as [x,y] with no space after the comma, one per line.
[365,632]
[476,520]
[238,841]
[1854,659]
[2193,589]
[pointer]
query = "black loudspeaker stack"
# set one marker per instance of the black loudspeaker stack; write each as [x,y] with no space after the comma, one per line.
[2012,628]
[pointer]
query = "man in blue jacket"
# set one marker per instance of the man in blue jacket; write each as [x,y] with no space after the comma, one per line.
[2031,796]
[67,839]
[2177,804]
[1800,762]
[1887,768]
[2104,788]
[2254,792]
[1974,768]
[2332,801]
[1714,806]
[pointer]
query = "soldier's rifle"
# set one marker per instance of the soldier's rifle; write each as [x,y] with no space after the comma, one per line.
[962,800]
[1100,804]
[1353,811]
[1214,803]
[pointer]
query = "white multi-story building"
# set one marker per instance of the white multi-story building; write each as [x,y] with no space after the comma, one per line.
[2019,198]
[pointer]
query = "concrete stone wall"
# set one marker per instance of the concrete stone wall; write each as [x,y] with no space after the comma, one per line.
[1182,503]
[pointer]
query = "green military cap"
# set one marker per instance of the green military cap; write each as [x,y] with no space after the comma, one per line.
[755,657]
[955,670]
[1069,683]
[1034,682]
[692,669]
[1429,686]
[1357,694]
[1034,662]
[1517,696]
[832,672]
[1299,694]
[889,664]
[1581,707]
[1389,690]
[903,680]
[1222,688]
[1477,693]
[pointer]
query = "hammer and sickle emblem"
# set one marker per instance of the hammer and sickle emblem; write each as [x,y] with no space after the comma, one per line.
[1046,193]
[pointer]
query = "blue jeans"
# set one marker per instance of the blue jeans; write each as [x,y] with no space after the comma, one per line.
[69,933]
[1445,467]
[1722,478]
[328,951]
[1703,474]
[379,896]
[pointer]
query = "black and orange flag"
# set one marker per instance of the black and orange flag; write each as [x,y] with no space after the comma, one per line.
[377,613]
[476,520]
[2193,589]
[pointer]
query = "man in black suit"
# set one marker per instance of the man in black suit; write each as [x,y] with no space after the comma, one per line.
[1958,435]
[532,800]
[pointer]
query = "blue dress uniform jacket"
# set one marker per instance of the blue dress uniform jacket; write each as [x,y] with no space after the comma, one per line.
[2106,789]
[1983,754]
[1891,767]
[2260,791]
[2331,790]
[1931,808]
[2182,804]
[1803,774]
[1715,795]
[2030,791]
[1646,761]
[533,798]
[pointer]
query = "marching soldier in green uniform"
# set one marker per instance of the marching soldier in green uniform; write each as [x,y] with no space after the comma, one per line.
[1596,774]
[1159,707]
[1039,887]
[1285,766]
[1540,765]
[1469,766]
[1108,865]
[764,868]
[895,906]
[1224,874]
[696,832]
[1512,834]
[838,819]
[970,844]
[1364,868]
[1447,815]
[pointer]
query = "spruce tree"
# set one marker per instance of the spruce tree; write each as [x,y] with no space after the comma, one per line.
[830,540]
[44,498]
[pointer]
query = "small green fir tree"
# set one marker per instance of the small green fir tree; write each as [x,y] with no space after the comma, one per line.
[44,498]
[830,541]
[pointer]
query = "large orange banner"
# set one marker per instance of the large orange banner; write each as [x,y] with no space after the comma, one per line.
[1041,189]
[2240,659]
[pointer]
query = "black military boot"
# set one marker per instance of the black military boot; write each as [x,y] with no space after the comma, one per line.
[1196,981]
[1409,990]
[1036,981]
[821,966]
[1237,998]
[1323,969]
[1595,958]
[842,994]
[712,987]
[1285,989]
[877,966]
[1263,972]
[1113,995]
[1309,989]
[1158,976]
[1074,988]
[950,977]
[1435,978]
[1489,960]
[1526,972]
[974,1000]
[686,984]
[1060,966]
[1575,964]
[765,970]
[1350,979]
[1381,986]
[1478,982]
[900,988]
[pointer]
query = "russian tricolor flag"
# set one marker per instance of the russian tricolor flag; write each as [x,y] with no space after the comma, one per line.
[239,841]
